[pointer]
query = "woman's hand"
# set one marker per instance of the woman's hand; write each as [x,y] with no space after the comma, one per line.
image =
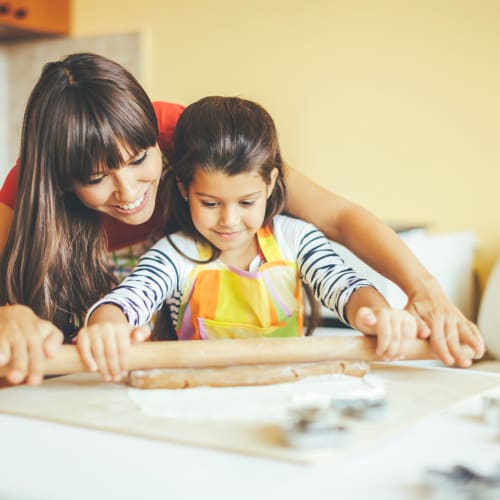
[395,330]
[445,326]
[105,347]
[25,341]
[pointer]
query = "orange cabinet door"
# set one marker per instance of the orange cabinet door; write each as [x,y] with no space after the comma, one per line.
[36,16]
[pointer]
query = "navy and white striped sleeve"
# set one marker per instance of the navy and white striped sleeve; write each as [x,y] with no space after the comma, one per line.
[155,279]
[331,280]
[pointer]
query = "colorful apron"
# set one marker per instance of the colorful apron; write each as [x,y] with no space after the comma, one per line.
[221,301]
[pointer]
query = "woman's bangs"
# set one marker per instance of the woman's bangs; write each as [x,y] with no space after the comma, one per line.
[103,139]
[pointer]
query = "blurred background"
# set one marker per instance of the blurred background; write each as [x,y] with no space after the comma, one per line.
[393,104]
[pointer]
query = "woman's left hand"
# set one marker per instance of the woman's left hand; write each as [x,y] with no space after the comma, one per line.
[445,326]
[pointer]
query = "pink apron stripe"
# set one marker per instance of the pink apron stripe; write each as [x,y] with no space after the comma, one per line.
[275,295]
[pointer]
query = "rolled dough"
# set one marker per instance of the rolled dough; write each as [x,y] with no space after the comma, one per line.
[255,404]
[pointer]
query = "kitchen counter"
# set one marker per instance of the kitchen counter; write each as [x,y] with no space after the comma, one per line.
[43,459]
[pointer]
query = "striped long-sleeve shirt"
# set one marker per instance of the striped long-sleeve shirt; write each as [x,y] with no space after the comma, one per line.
[161,272]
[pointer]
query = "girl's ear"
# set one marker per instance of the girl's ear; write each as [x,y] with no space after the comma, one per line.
[182,189]
[274,176]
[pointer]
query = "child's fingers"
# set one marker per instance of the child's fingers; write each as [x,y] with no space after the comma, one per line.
[97,347]
[140,334]
[111,342]
[393,350]
[123,347]
[366,320]
[85,350]
[409,333]
[383,335]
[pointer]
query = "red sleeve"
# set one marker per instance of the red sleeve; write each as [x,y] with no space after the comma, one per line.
[9,188]
[167,115]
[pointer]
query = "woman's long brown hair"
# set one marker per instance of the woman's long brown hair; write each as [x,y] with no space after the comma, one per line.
[80,112]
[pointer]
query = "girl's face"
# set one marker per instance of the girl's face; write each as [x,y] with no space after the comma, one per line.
[127,193]
[228,210]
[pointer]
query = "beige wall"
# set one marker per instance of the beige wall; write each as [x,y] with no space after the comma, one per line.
[395,104]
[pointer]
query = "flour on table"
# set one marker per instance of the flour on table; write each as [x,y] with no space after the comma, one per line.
[269,403]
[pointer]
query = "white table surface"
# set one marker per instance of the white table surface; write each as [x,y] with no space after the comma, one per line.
[45,460]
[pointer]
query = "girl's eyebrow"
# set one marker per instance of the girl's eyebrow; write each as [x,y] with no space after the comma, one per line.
[249,195]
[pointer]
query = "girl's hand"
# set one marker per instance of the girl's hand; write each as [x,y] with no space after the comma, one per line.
[394,328]
[25,341]
[105,347]
[445,326]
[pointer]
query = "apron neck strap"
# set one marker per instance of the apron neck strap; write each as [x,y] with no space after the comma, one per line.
[269,249]
[268,245]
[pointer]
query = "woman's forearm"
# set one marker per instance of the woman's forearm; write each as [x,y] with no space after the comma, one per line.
[359,230]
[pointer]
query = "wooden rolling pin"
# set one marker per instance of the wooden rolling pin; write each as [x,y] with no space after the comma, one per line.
[202,353]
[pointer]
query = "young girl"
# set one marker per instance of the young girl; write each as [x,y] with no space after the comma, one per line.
[60,218]
[235,268]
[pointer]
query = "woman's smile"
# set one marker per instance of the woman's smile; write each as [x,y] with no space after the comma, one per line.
[136,206]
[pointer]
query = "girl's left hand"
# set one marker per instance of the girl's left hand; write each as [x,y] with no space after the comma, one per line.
[395,330]
[105,347]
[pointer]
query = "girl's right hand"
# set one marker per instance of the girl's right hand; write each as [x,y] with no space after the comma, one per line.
[105,347]
[25,341]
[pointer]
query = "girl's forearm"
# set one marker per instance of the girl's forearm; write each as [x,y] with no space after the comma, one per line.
[107,313]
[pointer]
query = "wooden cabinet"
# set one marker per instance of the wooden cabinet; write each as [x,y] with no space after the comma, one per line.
[31,18]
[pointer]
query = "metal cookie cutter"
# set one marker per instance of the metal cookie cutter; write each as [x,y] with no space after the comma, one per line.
[315,427]
[462,482]
[491,412]
[362,409]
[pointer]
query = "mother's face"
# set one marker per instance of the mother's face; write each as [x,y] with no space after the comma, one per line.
[128,193]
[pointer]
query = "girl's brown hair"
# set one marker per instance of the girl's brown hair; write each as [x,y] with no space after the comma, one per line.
[80,115]
[229,135]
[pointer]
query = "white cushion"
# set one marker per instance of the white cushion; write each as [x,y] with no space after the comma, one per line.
[489,313]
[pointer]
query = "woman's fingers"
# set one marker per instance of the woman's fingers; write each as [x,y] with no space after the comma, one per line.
[18,363]
[36,359]
[5,351]
[52,341]
[23,348]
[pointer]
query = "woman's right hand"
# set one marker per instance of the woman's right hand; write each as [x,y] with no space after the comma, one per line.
[105,347]
[25,341]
